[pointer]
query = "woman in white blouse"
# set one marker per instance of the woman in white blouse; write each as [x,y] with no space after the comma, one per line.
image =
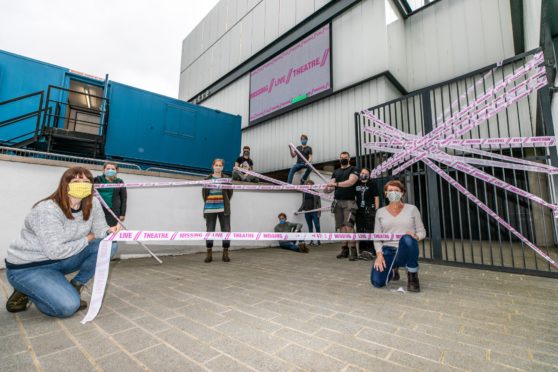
[397,218]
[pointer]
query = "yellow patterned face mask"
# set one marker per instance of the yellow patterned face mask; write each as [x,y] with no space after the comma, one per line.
[79,190]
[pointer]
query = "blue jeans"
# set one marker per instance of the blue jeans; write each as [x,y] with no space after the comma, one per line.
[46,285]
[289,245]
[295,168]
[312,218]
[407,255]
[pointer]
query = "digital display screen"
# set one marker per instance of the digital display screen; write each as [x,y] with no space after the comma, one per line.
[298,74]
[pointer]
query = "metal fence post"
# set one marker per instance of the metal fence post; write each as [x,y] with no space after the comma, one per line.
[433,192]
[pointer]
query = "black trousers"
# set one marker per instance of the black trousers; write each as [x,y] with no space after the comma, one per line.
[211,222]
[365,224]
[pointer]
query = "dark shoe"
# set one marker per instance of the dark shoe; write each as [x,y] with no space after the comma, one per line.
[366,256]
[318,242]
[353,256]
[78,287]
[17,302]
[303,248]
[209,256]
[226,255]
[413,284]
[396,276]
[311,243]
[344,252]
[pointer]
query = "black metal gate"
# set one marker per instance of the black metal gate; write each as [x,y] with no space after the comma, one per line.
[459,231]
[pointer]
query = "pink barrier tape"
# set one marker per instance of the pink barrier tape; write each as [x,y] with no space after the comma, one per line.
[459,164]
[104,204]
[103,255]
[489,211]
[506,142]
[136,185]
[472,124]
[527,163]
[151,236]
[453,130]
[277,182]
[266,187]
[536,167]
[464,118]
[308,164]
[324,209]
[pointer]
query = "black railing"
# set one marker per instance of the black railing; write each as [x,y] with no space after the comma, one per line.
[459,231]
[18,119]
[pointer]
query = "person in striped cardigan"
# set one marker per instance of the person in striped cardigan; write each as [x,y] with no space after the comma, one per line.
[217,206]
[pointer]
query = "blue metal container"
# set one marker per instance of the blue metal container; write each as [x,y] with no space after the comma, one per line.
[143,127]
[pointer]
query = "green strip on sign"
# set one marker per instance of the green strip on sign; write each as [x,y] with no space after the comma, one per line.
[299,98]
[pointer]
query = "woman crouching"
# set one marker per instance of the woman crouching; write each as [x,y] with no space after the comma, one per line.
[397,218]
[60,235]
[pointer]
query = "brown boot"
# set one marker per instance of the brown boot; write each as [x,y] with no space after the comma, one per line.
[78,287]
[396,276]
[413,284]
[209,256]
[17,302]
[353,256]
[344,252]
[226,255]
[303,248]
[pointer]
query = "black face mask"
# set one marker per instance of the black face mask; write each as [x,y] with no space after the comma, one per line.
[246,153]
[344,161]
[364,178]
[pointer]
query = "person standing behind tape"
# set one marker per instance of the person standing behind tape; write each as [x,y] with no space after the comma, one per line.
[306,151]
[311,202]
[116,198]
[344,208]
[368,202]
[217,205]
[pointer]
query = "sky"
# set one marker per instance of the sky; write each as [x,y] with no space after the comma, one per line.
[137,42]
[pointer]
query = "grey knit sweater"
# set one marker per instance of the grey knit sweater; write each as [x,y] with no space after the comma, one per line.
[47,234]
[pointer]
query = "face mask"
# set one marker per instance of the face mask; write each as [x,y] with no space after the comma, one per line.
[282,221]
[246,153]
[363,177]
[304,142]
[344,161]
[393,196]
[110,172]
[218,168]
[79,190]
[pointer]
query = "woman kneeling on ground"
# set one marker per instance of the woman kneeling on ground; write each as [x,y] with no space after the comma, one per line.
[397,218]
[60,235]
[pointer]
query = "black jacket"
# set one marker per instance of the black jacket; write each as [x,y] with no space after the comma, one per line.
[119,197]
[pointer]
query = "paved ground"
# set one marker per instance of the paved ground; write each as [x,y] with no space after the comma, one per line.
[271,309]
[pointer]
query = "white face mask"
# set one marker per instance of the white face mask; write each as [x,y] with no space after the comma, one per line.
[393,196]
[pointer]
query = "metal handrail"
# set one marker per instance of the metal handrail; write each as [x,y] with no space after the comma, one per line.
[21,97]
[165,170]
[53,156]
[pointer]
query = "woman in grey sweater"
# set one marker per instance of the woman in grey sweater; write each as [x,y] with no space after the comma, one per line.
[397,218]
[60,235]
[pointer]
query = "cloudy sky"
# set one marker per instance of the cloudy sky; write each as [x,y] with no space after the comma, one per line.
[137,42]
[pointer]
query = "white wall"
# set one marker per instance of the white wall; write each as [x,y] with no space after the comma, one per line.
[231,33]
[148,209]
[445,40]
[329,124]
[532,23]
[451,38]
